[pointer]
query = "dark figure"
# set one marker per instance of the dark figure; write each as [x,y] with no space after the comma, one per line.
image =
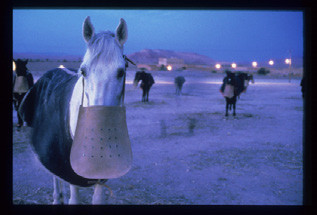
[232,87]
[247,78]
[146,84]
[22,82]
[179,81]
[303,85]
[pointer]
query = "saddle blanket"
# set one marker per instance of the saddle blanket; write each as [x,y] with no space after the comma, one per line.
[229,91]
[21,85]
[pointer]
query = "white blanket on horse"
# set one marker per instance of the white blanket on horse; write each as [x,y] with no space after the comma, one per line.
[21,85]
[229,91]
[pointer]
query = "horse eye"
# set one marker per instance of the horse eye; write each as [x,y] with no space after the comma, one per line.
[120,73]
[83,71]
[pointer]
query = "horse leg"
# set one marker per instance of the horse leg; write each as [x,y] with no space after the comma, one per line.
[227,105]
[99,196]
[57,194]
[74,195]
[147,95]
[143,96]
[234,108]
[63,188]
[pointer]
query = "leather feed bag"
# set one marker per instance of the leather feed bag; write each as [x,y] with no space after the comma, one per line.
[101,147]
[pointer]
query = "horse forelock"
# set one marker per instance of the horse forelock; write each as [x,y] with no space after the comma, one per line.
[21,68]
[103,48]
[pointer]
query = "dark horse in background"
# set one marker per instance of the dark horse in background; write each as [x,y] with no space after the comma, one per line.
[233,85]
[22,82]
[147,81]
[179,81]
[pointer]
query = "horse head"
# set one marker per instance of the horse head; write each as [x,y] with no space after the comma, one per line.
[230,78]
[138,76]
[103,70]
[103,66]
[20,67]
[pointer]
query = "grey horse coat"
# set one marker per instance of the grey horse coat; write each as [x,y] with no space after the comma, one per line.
[46,109]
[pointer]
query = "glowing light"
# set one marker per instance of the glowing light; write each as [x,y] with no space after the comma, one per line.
[288,61]
[61,66]
[218,66]
[271,62]
[254,64]
[14,66]
[169,67]
[234,65]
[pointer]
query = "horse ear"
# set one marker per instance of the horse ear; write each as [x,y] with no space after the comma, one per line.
[88,29]
[122,32]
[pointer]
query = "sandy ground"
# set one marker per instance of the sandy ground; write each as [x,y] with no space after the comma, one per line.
[185,151]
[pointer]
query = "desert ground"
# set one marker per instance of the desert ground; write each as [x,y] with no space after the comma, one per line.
[186,152]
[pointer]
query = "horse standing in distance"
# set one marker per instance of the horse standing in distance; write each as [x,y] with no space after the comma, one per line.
[22,82]
[51,107]
[232,87]
[179,81]
[147,81]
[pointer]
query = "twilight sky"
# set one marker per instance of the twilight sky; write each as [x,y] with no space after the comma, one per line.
[224,35]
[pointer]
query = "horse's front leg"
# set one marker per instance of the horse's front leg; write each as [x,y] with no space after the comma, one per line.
[143,95]
[99,197]
[74,195]
[58,192]
[234,108]
[180,90]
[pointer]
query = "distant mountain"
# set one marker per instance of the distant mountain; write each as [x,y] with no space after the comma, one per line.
[151,56]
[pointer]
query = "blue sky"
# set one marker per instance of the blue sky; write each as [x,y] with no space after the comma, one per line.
[224,35]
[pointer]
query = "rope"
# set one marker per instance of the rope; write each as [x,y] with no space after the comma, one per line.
[82,96]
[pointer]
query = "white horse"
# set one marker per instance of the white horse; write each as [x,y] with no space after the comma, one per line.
[52,106]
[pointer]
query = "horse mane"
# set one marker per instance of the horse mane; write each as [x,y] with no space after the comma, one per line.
[103,47]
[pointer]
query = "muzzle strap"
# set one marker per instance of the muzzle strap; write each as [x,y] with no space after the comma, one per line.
[82,96]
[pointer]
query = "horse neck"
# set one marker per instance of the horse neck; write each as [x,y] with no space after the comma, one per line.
[20,73]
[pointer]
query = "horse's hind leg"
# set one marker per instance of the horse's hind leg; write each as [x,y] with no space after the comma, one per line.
[99,197]
[234,109]
[147,95]
[58,191]
[74,195]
